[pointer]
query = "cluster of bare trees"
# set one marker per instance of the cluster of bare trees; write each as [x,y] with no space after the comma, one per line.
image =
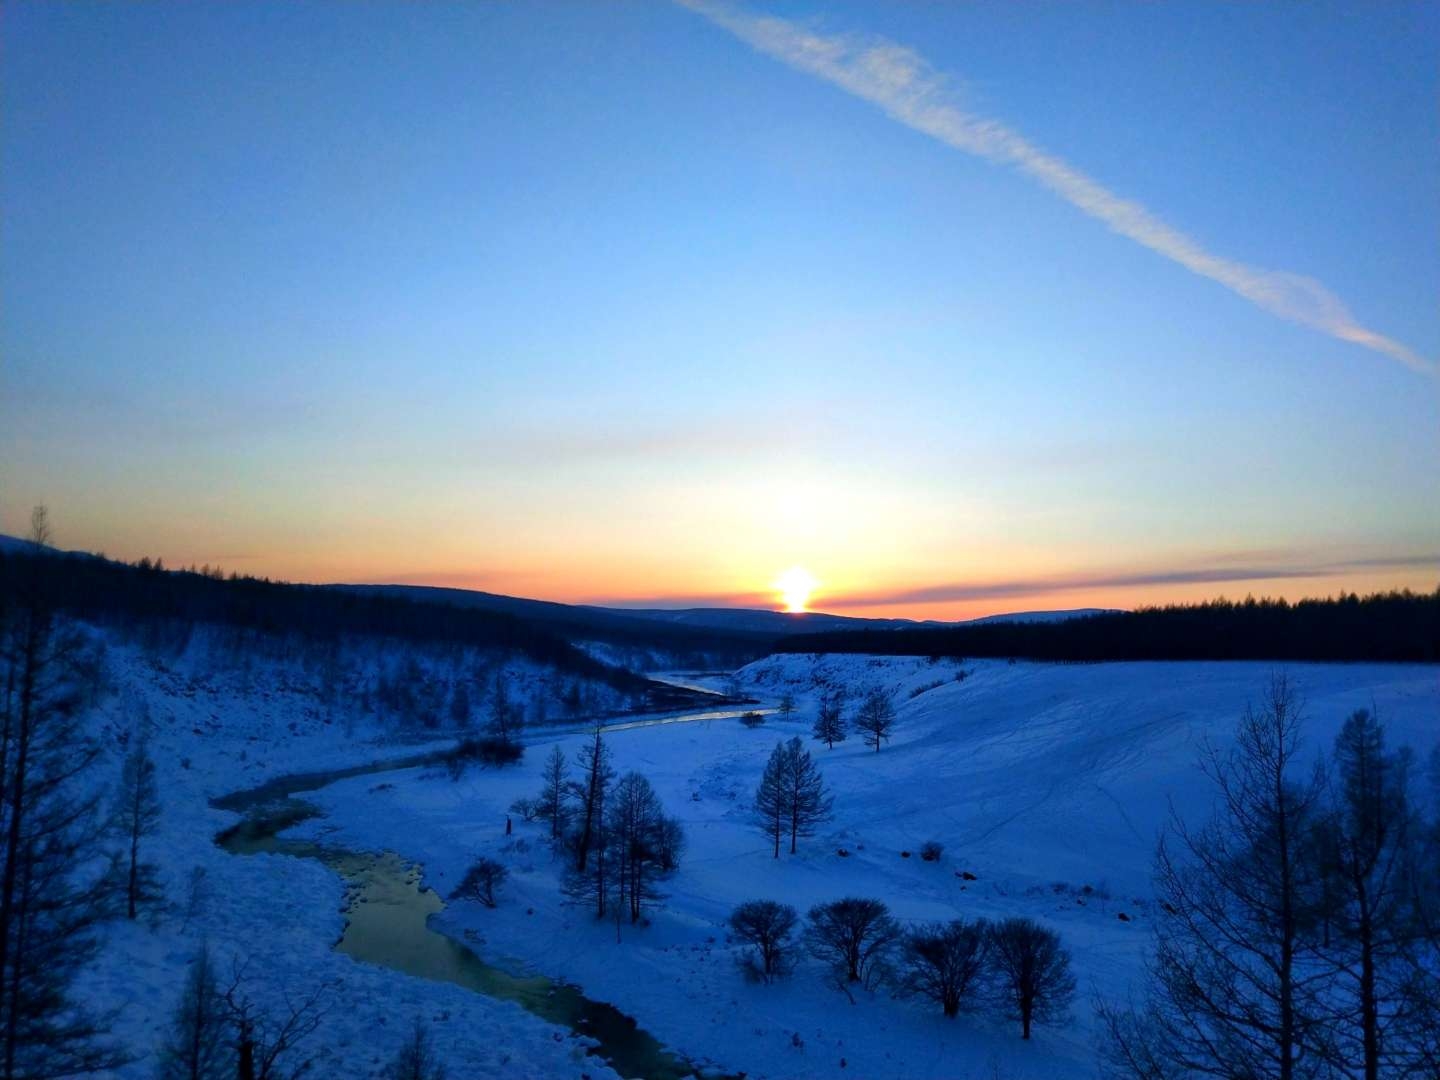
[874,719]
[1299,933]
[615,833]
[54,887]
[791,798]
[1016,966]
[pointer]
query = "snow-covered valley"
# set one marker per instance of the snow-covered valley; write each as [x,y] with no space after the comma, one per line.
[1046,784]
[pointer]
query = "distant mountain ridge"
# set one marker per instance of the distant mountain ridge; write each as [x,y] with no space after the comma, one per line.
[809,622]
[758,622]
[734,632]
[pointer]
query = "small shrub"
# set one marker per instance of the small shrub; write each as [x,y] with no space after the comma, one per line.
[488,750]
[480,882]
[752,719]
[524,809]
[931,851]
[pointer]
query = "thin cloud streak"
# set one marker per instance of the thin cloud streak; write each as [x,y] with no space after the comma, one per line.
[992,590]
[903,84]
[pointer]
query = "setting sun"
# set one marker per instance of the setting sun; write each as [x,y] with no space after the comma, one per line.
[795,586]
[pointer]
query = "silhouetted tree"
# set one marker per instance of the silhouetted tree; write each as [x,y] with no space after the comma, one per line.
[771,800]
[480,882]
[944,962]
[268,1046]
[460,705]
[1239,899]
[417,1059]
[807,803]
[829,725]
[506,718]
[768,927]
[636,826]
[137,816]
[1033,970]
[198,1047]
[553,804]
[1421,1024]
[1384,626]
[786,707]
[1366,844]
[50,900]
[876,718]
[596,773]
[852,936]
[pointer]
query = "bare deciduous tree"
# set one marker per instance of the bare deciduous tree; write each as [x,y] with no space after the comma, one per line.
[770,797]
[197,1048]
[596,775]
[807,802]
[268,1046]
[417,1059]
[768,927]
[136,816]
[853,936]
[876,718]
[1365,844]
[829,725]
[460,705]
[786,707]
[507,718]
[641,842]
[791,796]
[480,882]
[554,801]
[944,962]
[1231,971]
[1033,969]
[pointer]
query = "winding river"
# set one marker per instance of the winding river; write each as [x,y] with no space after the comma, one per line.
[388,913]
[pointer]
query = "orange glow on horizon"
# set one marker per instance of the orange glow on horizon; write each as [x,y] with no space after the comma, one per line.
[795,586]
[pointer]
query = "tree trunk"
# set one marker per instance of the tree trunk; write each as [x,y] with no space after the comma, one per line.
[245,1062]
[134,870]
[13,838]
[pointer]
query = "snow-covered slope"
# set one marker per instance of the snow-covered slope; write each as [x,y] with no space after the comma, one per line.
[1046,784]
[219,726]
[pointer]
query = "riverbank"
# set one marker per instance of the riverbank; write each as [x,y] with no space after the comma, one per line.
[275,916]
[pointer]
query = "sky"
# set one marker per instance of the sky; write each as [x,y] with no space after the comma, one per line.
[961,308]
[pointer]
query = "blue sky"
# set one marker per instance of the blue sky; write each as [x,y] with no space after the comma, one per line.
[600,302]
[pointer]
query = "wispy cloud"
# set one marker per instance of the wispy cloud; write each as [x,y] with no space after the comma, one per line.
[1220,571]
[903,84]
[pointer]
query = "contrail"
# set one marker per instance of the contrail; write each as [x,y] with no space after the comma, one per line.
[903,84]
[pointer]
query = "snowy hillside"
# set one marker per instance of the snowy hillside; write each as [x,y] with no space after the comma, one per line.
[217,727]
[1046,784]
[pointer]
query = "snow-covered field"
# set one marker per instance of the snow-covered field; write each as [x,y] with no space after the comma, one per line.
[1047,783]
